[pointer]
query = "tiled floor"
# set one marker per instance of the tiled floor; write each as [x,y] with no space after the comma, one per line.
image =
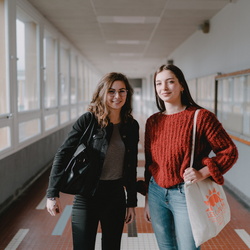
[26,224]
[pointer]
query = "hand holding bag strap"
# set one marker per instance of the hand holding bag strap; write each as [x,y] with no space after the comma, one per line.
[193,138]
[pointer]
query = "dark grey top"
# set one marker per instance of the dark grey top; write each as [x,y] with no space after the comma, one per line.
[114,159]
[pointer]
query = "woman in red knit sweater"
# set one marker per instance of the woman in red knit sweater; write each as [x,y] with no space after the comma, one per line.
[168,138]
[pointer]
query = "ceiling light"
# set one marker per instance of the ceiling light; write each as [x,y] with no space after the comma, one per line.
[126,42]
[125,54]
[128,19]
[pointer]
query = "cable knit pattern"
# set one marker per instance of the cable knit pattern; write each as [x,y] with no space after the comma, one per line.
[168,141]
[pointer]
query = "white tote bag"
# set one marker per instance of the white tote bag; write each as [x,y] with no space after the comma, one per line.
[207,204]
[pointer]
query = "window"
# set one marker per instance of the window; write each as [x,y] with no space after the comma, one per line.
[51,121]
[238,89]
[29,129]
[227,89]
[73,113]
[206,92]
[86,83]
[64,116]
[5,130]
[246,123]
[230,103]
[4,93]
[64,76]
[5,141]
[80,91]
[50,80]
[27,59]
[42,78]
[50,72]
[192,85]
[28,87]
[73,80]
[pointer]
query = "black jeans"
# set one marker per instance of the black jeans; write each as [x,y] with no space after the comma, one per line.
[108,206]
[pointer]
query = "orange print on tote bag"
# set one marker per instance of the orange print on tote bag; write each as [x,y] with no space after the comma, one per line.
[207,204]
[215,206]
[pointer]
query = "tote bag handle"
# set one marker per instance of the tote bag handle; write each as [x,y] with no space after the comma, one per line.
[193,139]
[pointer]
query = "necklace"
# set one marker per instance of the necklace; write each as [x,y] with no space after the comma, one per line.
[178,111]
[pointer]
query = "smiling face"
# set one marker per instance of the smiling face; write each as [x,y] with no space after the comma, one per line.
[116,96]
[168,87]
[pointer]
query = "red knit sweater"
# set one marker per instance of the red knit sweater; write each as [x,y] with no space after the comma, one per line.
[168,146]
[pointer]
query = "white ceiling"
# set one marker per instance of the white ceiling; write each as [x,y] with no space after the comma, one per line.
[129,36]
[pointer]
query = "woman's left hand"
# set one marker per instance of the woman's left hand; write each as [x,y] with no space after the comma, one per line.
[130,216]
[54,206]
[192,175]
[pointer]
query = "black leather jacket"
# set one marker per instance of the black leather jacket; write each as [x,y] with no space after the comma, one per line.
[97,149]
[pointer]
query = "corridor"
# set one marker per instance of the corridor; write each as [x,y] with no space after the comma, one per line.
[27,225]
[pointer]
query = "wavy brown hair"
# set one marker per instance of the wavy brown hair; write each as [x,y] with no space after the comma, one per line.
[186,98]
[98,106]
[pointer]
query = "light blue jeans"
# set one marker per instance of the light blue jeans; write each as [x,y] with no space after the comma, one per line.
[169,216]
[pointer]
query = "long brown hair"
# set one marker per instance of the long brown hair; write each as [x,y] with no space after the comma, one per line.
[186,98]
[98,105]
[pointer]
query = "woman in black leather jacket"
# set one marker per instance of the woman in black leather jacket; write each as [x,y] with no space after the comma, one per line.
[113,148]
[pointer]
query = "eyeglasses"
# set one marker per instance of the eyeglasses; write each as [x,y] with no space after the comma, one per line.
[121,92]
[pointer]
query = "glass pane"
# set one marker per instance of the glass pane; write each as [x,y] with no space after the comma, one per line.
[5,138]
[87,84]
[64,116]
[80,82]
[4,93]
[50,79]
[238,89]
[73,113]
[81,109]
[51,121]
[246,125]
[248,90]
[246,113]
[27,80]
[73,91]
[29,129]
[64,76]
[227,90]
